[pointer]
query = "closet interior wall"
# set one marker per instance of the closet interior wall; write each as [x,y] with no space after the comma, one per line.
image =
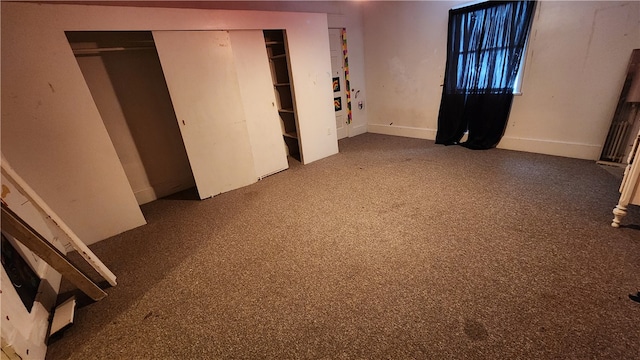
[124,75]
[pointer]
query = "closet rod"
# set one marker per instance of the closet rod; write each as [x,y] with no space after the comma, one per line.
[99,50]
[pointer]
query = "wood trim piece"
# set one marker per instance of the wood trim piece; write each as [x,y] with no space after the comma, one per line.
[26,235]
[46,211]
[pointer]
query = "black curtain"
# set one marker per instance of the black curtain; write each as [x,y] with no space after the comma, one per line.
[484,50]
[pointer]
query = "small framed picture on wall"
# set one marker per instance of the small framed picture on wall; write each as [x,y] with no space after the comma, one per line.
[337,103]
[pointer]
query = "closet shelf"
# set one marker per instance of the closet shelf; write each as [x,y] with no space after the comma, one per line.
[277,53]
[292,135]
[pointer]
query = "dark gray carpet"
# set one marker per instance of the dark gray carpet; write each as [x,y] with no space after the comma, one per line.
[395,248]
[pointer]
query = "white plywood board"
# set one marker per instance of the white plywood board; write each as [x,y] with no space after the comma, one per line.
[202,80]
[259,102]
[313,91]
[54,137]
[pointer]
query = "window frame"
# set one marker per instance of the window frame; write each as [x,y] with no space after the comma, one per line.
[519,80]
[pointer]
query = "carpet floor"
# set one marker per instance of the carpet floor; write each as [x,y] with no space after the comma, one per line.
[394,248]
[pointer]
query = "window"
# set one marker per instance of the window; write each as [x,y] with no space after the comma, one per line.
[486,46]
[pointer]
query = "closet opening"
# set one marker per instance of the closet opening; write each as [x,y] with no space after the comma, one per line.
[124,75]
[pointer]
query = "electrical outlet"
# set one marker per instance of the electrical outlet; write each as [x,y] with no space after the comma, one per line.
[328,131]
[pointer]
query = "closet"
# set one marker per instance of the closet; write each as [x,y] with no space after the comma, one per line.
[276,43]
[188,108]
[123,73]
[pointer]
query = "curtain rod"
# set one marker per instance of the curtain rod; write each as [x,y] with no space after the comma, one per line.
[468,4]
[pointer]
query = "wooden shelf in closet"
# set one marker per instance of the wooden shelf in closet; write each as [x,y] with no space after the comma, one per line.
[275,41]
[290,135]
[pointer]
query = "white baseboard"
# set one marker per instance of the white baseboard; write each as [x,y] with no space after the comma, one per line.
[145,195]
[540,146]
[406,131]
[357,130]
[552,147]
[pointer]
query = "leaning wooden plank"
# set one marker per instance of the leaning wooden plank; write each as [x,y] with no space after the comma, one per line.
[35,242]
[46,211]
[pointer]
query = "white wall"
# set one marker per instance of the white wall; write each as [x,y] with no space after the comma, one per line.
[575,67]
[405,53]
[52,132]
[575,70]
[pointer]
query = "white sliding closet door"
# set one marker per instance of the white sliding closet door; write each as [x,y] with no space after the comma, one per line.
[201,76]
[256,88]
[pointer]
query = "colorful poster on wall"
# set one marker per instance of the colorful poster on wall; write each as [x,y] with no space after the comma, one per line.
[336,84]
[337,103]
